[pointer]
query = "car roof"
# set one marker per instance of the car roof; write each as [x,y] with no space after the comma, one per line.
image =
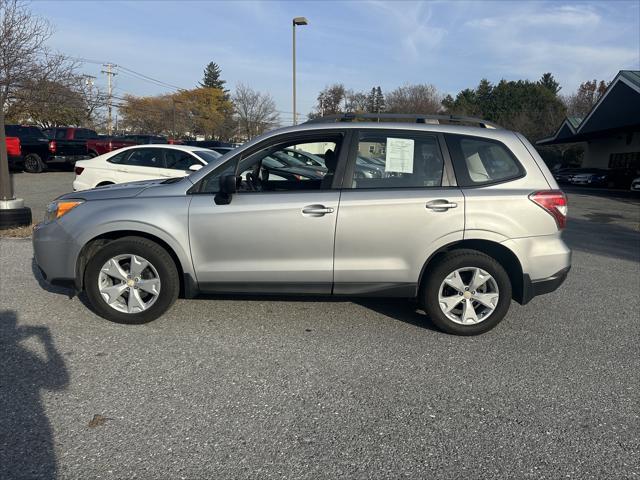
[495,133]
[167,146]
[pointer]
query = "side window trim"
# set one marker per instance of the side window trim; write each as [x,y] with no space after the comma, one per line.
[448,178]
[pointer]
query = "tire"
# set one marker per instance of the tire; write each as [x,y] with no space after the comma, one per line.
[33,163]
[15,217]
[161,264]
[466,263]
[92,154]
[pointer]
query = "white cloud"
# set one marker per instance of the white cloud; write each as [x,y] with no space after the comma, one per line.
[563,16]
[413,24]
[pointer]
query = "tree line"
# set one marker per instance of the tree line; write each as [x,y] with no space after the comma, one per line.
[209,110]
[534,108]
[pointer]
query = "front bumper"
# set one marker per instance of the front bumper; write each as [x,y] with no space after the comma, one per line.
[54,253]
[533,288]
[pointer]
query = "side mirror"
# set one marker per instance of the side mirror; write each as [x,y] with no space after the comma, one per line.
[195,167]
[228,184]
[227,189]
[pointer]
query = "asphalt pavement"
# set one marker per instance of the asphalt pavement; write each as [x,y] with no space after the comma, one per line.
[225,387]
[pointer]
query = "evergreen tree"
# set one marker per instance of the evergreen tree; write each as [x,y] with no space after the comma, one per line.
[375,100]
[211,78]
[380,104]
[548,82]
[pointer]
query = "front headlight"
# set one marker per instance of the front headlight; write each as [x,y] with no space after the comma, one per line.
[59,208]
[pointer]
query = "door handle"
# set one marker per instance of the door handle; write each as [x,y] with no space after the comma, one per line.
[441,205]
[316,210]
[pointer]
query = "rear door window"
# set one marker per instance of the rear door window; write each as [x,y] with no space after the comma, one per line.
[145,157]
[481,161]
[179,160]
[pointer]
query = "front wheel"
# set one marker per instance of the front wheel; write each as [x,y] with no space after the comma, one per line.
[131,280]
[467,293]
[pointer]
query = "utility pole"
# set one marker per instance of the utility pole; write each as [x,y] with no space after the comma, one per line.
[110,73]
[296,21]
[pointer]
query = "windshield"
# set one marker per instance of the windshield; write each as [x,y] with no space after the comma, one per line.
[207,155]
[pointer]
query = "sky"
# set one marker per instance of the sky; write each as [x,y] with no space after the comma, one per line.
[450,44]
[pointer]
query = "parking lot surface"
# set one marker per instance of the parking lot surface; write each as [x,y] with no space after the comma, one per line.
[225,387]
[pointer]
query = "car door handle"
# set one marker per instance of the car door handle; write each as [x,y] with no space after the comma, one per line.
[441,205]
[316,210]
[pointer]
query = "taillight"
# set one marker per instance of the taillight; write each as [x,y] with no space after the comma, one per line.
[78,170]
[554,202]
[13,146]
[52,146]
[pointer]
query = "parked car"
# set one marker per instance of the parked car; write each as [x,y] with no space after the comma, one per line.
[594,177]
[565,175]
[27,147]
[206,143]
[132,164]
[279,166]
[308,159]
[222,150]
[96,144]
[635,185]
[487,233]
[365,168]
[146,139]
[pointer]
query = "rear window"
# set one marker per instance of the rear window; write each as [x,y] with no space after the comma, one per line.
[22,131]
[481,161]
[207,155]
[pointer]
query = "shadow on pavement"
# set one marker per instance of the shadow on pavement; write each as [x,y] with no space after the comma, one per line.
[26,437]
[402,309]
[603,238]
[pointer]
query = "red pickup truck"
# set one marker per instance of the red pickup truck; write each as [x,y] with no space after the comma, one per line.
[96,145]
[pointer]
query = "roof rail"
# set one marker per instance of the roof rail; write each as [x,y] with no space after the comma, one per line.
[417,118]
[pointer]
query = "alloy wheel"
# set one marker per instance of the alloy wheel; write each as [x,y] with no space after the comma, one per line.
[129,283]
[468,295]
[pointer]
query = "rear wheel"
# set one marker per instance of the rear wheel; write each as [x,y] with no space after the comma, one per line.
[467,293]
[131,280]
[33,163]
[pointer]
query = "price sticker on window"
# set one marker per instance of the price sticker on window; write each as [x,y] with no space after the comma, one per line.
[399,155]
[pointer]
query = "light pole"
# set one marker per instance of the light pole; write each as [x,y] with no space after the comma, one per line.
[296,21]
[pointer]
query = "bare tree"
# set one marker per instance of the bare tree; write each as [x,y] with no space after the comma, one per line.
[582,101]
[420,98]
[356,101]
[256,111]
[23,56]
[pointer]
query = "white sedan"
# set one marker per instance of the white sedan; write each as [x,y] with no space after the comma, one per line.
[142,162]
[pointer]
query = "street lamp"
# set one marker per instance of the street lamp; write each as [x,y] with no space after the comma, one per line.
[296,21]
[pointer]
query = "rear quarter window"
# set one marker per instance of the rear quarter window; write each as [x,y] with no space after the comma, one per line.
[482,161]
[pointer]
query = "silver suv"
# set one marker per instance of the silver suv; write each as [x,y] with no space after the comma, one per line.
[455,212]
